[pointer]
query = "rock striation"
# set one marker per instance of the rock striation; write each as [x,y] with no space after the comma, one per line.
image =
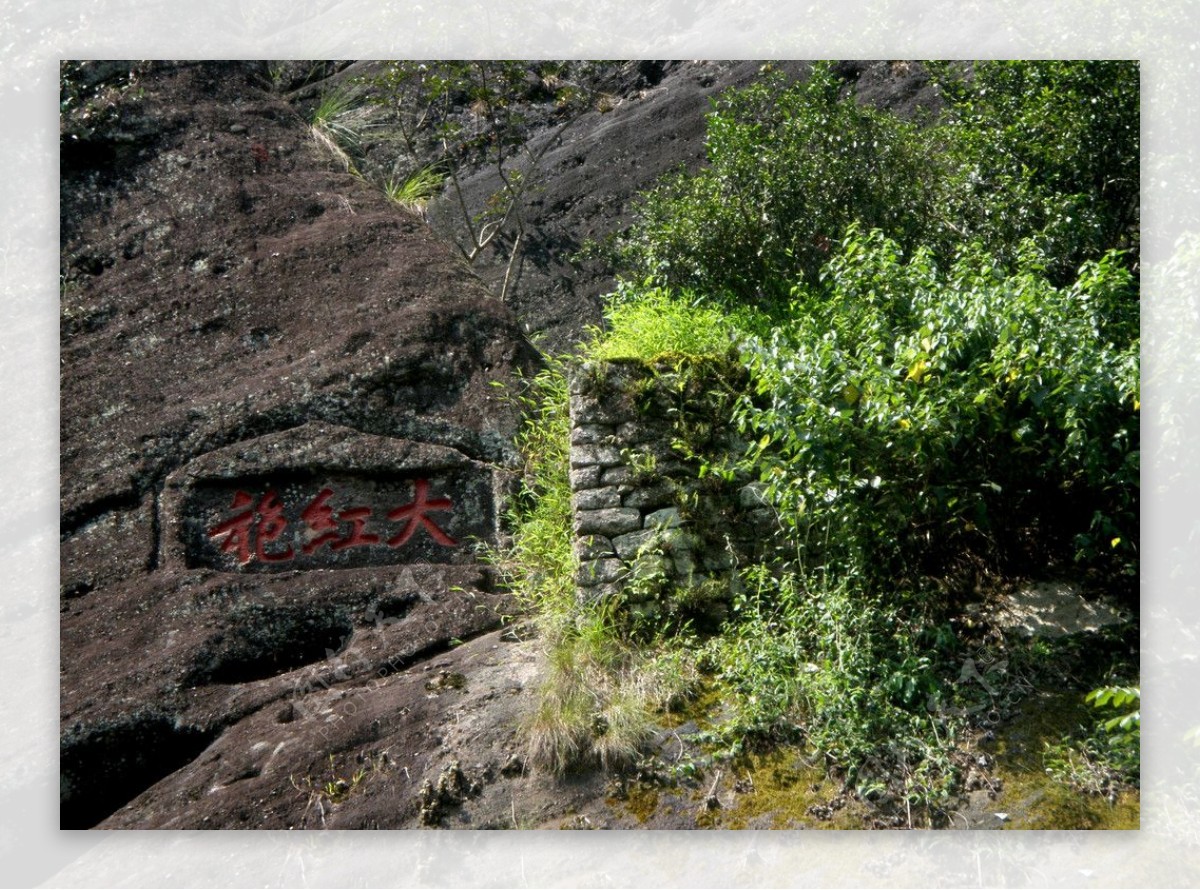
[281,441]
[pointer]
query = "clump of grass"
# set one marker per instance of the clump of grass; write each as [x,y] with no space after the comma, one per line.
[338,123]
[622,727]
[582,658]
[607,102]
[560,729]
[650,323]
[414,191]
[600,695]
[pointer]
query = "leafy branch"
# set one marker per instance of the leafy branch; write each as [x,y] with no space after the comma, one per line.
[466,114]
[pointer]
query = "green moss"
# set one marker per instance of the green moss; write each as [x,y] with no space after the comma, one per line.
[780,788]
[1047,804]
[638,800]
[446,680]
[702,708]
[1032,798]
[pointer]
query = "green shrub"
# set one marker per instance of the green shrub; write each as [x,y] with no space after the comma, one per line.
[848,671]
[1041,150]
[1044,149]
[788,168]
[902,409]
[651,323]
[906,406]
[1124,727]
[539,565]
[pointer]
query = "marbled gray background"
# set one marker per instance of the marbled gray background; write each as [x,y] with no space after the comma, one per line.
[34,34]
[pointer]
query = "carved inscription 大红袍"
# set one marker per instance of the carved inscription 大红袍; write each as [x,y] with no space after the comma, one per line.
[299,523]
[264,522]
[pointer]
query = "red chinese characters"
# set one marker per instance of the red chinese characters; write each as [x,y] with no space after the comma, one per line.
[257,531]
[319,517]
[415,513]
[264,523]
[271,525]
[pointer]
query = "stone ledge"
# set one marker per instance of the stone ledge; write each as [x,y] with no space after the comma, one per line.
[585,478]
[597,499]
[600,571]
[595,456]
[610,522]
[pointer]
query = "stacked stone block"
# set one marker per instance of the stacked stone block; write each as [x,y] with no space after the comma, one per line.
[645,526]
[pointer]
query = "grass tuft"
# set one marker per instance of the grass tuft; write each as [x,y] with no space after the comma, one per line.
[654,323]
[339,122]
[414,192]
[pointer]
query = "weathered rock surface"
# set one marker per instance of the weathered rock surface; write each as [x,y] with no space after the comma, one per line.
[436,746]
[279,438]
[651,123]
[355,749]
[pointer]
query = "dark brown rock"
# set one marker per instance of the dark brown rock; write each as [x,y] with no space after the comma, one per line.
[245,327]
[241,316]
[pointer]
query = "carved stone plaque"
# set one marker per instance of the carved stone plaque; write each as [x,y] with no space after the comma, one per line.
[318,498]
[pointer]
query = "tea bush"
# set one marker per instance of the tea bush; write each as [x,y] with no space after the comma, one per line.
[1041,150]
[1046,149]
[904,407]
[788,168]
[940,326]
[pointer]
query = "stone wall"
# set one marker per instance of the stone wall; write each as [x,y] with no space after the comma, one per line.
[649,526]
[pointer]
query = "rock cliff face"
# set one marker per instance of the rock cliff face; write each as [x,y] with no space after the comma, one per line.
[280,437]
[649,122]
[281,440]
